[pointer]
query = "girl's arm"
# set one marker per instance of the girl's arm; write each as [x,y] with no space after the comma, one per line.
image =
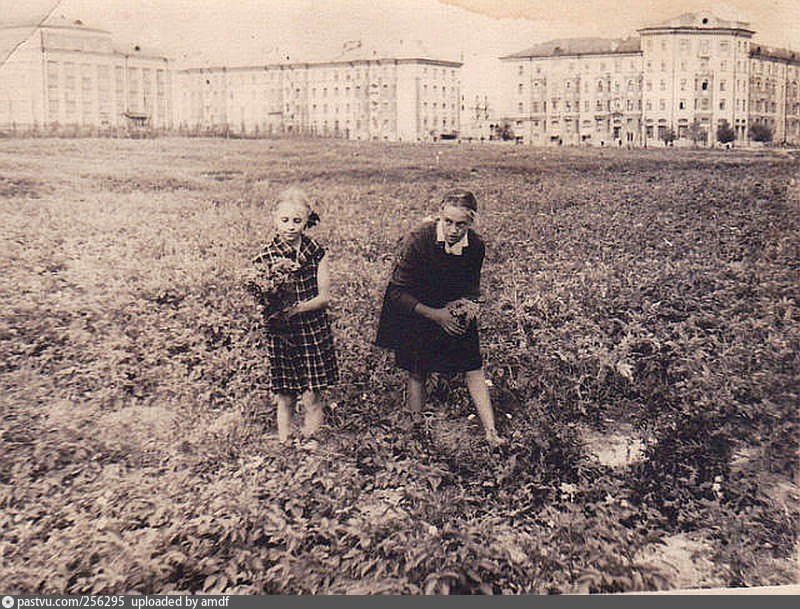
[404,277]
[322,299]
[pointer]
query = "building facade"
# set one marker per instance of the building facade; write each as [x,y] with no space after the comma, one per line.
[66,77]
[685,78]
[395,99]
[477,122]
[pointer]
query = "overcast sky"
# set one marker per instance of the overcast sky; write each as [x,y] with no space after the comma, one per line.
[222,32]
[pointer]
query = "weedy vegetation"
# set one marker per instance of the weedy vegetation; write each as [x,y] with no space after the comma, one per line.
[651,291]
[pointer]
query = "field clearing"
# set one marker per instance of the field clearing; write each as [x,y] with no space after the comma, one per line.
[642,335]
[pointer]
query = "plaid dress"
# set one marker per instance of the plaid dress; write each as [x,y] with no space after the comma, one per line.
[306,360]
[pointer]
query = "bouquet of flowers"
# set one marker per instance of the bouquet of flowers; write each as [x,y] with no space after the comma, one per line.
[271,286]
[464,310]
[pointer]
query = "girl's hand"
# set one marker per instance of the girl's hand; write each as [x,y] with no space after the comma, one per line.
[294,310]
[449,324]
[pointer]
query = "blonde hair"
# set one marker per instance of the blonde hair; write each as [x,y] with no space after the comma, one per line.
[299,197]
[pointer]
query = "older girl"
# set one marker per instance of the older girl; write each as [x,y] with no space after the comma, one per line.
[440,265]
[302,359]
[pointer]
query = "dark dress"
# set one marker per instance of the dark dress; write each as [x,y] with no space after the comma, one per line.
[305,358]
[425,273]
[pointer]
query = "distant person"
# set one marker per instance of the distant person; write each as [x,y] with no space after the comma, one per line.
[430,306]
[302,359]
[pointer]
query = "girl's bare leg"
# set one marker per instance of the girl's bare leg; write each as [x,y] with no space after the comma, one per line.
[286,403]
[479,391]
[416,392]
[313,413]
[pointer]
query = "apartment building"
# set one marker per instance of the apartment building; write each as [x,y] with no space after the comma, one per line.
[64,76]
[687,76]
[363,98]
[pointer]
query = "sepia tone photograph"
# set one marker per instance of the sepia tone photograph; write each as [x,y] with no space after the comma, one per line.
[399,297]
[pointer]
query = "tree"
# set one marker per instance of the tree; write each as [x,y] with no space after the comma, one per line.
[668,136]
[725,133]
[696,132]
[503,131]
[760,132]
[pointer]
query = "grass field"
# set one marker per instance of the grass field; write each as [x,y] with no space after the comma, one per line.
[642,336]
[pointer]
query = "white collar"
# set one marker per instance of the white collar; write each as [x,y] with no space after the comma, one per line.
[457,248]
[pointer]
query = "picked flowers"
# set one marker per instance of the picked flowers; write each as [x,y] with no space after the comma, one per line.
[464,310]
[272,288]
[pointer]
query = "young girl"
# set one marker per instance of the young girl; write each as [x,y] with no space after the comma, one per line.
[302,359]
[439,266]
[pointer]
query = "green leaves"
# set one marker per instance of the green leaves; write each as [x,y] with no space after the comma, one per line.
[628,292]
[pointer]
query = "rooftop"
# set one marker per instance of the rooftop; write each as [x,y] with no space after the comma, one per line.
[580,46]
[700,20]
[760,50]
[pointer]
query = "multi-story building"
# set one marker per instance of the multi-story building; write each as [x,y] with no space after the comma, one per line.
[64,76]
[572,91]
[477,121]
[358,97]
[686,77]
[774,95]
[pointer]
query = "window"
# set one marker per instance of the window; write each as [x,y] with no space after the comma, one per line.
[682,105]
[662,104]
[722,104]
[722,85]
[133,89]
[146,88]
[683,84]
[104,90]
[119,89]
[52,89]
